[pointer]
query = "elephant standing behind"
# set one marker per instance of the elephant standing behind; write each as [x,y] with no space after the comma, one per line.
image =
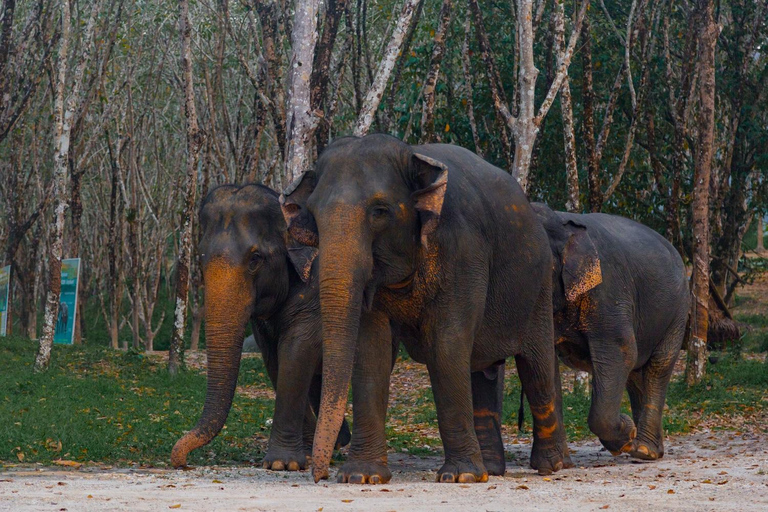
[252,272]
[621,302]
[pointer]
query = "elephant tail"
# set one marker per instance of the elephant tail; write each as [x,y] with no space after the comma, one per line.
[521,411]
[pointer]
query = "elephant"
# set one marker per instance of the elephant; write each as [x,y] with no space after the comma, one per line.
[621,304]
[447,248]
[253,272]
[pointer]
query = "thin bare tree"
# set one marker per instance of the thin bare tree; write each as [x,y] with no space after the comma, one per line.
[195,139]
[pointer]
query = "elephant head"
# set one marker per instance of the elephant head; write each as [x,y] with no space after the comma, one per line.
[373,201]
[247,268]
[576,260]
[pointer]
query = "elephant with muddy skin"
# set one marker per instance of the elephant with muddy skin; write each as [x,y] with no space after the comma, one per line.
[445,247]
[252,272]
[621,302]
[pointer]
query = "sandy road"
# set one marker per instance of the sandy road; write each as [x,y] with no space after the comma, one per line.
[706,471]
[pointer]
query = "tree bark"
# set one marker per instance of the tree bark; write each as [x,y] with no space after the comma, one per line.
[466,68]
[595,197]
[572,203]
[60,179]
[63,120]
[195,139]
[430,84]
[302,120]
[760,245]
[707,39]
[376,91]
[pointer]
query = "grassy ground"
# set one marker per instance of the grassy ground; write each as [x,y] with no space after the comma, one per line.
[123,408]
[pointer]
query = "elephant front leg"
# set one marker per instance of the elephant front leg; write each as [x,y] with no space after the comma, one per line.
[452,389]
[293,416]
[367,461]
[613,357]
[487,401]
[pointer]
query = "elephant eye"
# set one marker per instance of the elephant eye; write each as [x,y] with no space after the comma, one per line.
[379,212]
[255,261]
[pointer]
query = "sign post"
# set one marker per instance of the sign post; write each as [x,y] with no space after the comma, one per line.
[5,290]
[65,322]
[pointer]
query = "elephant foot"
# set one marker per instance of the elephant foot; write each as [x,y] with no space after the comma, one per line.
[646,450]
[462,472]
[621,440]
[364,473]
[285,460]
[496,465]
[549,458]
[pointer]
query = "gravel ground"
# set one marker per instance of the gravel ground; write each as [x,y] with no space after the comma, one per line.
[706,471]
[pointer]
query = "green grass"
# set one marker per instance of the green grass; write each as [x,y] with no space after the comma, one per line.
[96,404]
[115,407]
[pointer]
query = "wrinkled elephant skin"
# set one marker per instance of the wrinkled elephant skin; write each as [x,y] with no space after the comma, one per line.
[252,274]
[621,304]
[445,247]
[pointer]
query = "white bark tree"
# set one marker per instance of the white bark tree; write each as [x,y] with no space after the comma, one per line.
[195,139]
[302,121]
[384,70]
[63,119]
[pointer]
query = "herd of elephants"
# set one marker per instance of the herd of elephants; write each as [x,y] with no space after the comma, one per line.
[431,247]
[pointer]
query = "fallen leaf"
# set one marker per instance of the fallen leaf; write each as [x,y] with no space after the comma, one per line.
[546,479]
[20,456]
[707,481]
[491,487]
[218,482]
[178,505]
[89,496]
[651,487]
[604,507]
[522,487]
[68,463]
[671,491]
[723,482]
[347,501]
[723,473]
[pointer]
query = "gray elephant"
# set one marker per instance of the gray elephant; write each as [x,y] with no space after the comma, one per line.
[447,248]
[253,273]
[621,302]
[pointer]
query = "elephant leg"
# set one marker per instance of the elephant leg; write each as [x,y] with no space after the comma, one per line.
[636,392]
[613,357]
[367,461]
[487,401]
[286,442]
[449,371]
[537,368]
[649,444]
[567,463]
[310,420]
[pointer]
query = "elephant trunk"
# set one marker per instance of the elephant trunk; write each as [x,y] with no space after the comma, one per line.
[226,312]
[343,273]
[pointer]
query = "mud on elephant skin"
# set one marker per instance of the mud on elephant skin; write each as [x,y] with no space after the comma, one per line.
[251,273]
[447,248]
[621,304]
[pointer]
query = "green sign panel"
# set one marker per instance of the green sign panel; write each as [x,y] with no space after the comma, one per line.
[65,323]
[5,290]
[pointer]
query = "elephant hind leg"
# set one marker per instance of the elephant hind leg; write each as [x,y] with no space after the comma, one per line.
[487,401]
[649,444]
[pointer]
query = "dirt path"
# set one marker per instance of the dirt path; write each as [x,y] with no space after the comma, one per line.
[706,471]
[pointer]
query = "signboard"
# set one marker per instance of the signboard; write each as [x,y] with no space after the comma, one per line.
[5,289]
[65,323]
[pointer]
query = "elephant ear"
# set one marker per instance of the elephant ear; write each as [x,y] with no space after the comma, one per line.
[302,237]
[432,179]
[581,262]
[299,221]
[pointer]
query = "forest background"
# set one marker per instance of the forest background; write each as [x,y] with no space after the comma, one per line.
[118,116]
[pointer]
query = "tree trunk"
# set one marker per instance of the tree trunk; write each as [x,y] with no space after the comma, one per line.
[63,119]
[376,91]
[466,68]
[760,246]
[195,139]
[572,203]
[707,39]
[60,179]
[302,120]
[428,92]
